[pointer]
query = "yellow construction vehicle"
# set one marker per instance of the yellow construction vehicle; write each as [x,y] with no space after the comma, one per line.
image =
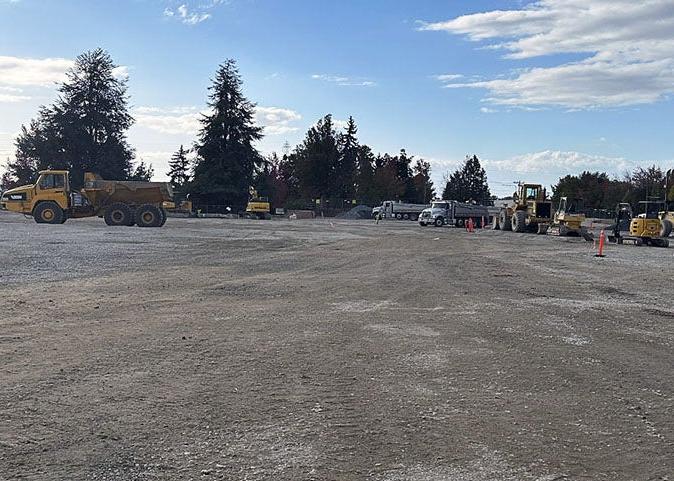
[643,229]
[258,207]
[529,209]
[51,200]
[568,220]
[182,208]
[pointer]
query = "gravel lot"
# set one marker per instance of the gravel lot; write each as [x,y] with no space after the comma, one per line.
[331,350]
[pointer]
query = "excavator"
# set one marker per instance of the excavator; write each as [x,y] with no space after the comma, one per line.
[645,228]
[258,207]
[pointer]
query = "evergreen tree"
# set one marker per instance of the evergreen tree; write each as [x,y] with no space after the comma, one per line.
[387,185]
[425,192]
[85,129]
[179,168]
[469,183]
[404,173]
[6,180]
[142,172]
[316,160]
[226,156]
[347,161]
[365,175]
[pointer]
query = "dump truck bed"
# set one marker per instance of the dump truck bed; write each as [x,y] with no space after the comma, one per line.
[102,193]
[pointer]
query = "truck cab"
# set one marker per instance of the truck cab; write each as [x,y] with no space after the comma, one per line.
[439,214]
[52,188]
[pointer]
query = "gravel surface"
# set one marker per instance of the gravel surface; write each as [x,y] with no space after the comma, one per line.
[331,350]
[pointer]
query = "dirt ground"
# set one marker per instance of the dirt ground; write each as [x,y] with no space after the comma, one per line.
[331,350]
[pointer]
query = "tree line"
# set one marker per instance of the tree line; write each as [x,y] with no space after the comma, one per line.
[330,168]
[85,129]
[601,192]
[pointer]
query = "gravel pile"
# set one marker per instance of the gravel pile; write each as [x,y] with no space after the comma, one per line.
[358,212]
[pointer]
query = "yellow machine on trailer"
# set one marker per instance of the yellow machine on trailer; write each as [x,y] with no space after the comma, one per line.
[51,200]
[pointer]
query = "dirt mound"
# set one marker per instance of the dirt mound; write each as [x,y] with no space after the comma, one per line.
[358,212]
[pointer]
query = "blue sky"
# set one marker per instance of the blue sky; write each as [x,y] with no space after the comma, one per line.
[535,89]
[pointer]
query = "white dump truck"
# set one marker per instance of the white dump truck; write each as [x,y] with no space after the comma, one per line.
[451,212]
[393,209]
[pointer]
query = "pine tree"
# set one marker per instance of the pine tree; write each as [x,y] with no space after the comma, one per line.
[226,155]
[425,192]
[387,184]
[179,168]
[469,183]
[142,172]
[85,129]
[346,167]
[315,162]
[404,173]
[365,175]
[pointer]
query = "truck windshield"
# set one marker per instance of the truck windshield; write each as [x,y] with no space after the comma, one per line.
[52,181]
[439,205]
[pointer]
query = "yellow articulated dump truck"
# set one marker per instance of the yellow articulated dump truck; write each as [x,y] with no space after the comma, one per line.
[121,203]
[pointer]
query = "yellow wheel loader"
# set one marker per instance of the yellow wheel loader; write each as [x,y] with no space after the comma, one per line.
[51,200]
[529,209]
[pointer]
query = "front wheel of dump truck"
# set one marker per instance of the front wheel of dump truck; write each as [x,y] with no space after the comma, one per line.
[118,214]
[494,223]
[148,215]
[48,213]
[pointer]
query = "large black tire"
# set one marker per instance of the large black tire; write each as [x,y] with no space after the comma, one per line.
[118,214]
[504,221]
[494,223]
[148,215]
[48,213]
[439,222]
[519,221]
[666,227]
[163,217]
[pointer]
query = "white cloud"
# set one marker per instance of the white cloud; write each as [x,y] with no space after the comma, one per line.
[32,72]
[487,110]
[554,161]
[185,120]
[448,77]
[174,121]
[11,98]
[190,17]
[277,121]
[159,161]
[345,81]
[629,49]
[121,72]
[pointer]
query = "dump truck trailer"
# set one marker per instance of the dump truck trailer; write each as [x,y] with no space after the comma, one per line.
[51,200]
[451,212]
[392,209]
